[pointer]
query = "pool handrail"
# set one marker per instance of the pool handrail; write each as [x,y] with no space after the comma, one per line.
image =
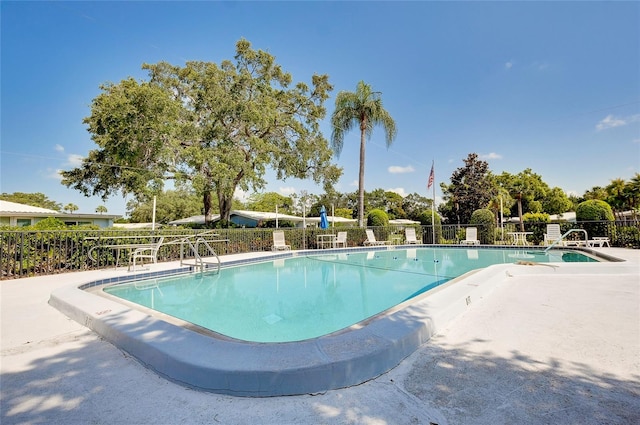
[561,238]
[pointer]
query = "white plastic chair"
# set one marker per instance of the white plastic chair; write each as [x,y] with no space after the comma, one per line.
[410,234]
[149,251]
[279,243]
[371,239]
[553,234]
[341,240]
[471,236]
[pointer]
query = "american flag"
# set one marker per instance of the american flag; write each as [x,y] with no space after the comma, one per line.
[431,177]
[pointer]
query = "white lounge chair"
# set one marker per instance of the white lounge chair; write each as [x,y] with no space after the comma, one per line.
[279,243]
[148,251]
[471,236]
[553,235]
[410,235]
[598,241]
[341,240]
[371,239]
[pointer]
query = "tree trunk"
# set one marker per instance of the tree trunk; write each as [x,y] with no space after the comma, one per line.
[225,207]
[520,211]
[361,179]
[208,214]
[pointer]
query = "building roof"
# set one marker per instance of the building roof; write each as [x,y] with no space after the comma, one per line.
[133,226]
[401,221]
[7,208]
[261,216]
[15,209]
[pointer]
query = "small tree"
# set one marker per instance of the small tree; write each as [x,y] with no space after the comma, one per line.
[486,223]
[471,188]
[101,209]
[377,217]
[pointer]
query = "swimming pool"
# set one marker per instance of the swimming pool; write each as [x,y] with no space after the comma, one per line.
[299,298]
[208,361]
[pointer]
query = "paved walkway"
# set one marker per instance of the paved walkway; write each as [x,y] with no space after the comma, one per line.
[542,348]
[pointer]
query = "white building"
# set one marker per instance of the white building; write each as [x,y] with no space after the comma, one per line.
[20,215]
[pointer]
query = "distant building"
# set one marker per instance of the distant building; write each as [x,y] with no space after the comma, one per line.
[255,218]
[20,215]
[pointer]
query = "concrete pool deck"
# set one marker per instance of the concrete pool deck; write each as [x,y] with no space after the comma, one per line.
[543,347]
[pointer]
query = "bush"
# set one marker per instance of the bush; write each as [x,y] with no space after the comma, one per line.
[425,219]
[485,221]
[49,223]
[628,237]
[377,217]
[536,223]
[594,212]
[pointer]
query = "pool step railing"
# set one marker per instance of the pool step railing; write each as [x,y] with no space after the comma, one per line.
[198,260]
[562,240]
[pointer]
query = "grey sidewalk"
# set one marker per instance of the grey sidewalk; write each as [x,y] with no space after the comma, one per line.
[539,349]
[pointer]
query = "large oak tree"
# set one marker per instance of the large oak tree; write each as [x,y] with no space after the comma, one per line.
[216,127]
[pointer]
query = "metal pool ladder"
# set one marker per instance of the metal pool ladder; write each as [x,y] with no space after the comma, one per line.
[557,241]
[198,260]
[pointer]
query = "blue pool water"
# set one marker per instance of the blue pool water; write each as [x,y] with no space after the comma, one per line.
[305,297]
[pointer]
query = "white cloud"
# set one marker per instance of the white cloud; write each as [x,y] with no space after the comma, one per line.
[508,65]
[399,190]
[540,66]
[59,148]
[54,174]
[491,155]
[74,159]
[611,122]
[354,183]
[287,191]
[396,169]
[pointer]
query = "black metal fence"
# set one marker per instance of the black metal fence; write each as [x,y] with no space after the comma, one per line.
[33,253]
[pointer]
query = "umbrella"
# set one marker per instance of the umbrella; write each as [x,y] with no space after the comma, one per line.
[324,223]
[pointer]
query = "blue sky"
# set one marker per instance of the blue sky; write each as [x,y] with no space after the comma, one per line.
[551,86]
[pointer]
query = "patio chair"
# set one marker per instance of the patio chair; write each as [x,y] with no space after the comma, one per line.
[600,241]
[471,236]
[553,234]
[410,235]
[148,251]
[371,239]
[279,242]
[341,240]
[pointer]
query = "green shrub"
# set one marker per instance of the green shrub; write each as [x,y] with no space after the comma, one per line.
[377,217]
[50,223]
[628,237]
[594,210]
[596,214]
[425,219]
[536,223]
[485,221]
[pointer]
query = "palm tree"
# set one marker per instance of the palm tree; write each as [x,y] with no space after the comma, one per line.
[633,193]
[362,108]
[101,209]
[71,207]
[617,196]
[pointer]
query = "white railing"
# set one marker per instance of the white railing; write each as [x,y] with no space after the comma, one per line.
[562,238]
